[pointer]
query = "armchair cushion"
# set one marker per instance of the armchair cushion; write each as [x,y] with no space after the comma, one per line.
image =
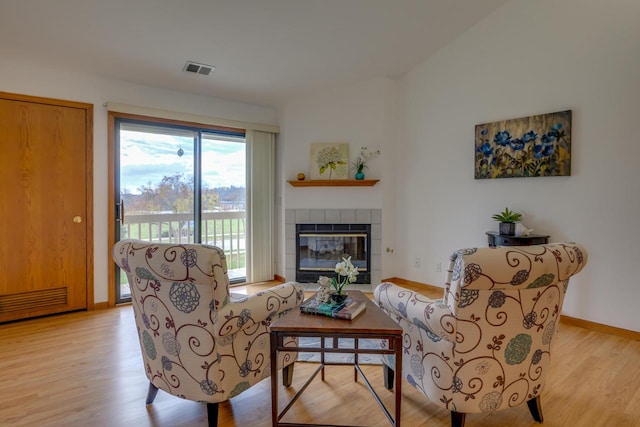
[263,306]
[433,316]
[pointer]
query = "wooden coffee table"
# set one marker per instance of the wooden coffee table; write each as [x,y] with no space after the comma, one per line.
[373,323]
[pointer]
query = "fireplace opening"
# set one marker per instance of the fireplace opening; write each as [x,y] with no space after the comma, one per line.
[319,247]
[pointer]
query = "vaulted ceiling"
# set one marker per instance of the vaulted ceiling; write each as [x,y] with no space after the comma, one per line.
[265,51]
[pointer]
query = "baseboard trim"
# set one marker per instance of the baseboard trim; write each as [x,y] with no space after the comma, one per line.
[401,281]
[101,305]
[599,327]
[586,324]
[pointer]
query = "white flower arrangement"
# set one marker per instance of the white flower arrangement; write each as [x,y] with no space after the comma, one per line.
[347,273]
[361,164]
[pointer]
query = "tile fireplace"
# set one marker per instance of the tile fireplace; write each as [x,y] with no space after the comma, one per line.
[316,239]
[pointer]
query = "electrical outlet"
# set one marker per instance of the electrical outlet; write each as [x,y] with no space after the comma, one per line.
[439,267]
[416,262]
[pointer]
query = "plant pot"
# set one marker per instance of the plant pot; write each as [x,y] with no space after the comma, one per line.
[359,175]
[337,298]
[507,228]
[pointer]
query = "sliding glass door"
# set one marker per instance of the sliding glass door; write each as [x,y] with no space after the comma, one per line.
[178,184]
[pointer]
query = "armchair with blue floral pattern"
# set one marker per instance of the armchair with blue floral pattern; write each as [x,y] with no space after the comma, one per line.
[198,341]
[486,346]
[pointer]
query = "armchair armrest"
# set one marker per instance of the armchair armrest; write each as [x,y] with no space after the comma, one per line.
[431,315]
[259,307]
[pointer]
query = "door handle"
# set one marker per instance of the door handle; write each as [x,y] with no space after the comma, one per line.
[77,219]
[120,212]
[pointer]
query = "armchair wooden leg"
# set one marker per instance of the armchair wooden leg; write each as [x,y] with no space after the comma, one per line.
[212,414]
[388,375]
[287,375]
[535,407]
[151,394]
[457,419]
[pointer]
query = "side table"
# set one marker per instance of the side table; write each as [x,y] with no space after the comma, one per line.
[497,239]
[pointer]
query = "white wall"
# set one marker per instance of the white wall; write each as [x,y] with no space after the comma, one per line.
[53,83]
[362,114]
[531,57]
[526,58]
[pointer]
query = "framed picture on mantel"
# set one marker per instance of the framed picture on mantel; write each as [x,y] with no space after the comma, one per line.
[524,147]
[329,161]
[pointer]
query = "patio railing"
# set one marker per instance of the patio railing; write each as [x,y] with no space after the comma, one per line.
[225,230]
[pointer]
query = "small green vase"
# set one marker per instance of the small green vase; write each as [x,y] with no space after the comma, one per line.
[359,175]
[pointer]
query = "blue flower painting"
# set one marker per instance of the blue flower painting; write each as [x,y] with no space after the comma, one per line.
[524,147]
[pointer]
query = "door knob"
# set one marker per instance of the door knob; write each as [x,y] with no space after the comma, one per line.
[77,219]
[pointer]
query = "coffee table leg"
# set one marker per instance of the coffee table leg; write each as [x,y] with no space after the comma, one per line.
[398,379]
[274,379]
[322,358]
[355,356]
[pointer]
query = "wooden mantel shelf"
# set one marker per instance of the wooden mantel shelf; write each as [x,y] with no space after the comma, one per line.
[335,183]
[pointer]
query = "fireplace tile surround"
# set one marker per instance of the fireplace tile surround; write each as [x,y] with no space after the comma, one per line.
[334,216]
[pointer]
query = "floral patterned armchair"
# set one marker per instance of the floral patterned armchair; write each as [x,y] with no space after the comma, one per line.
[485,346]
[198,341]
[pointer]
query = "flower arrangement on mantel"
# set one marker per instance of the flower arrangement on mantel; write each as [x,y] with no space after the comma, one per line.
[333,288]
[361,164]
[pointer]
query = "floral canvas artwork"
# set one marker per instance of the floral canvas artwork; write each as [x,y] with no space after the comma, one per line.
[525,147]
[329,161]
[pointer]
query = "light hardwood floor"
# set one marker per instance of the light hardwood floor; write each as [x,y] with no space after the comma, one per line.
[84,369]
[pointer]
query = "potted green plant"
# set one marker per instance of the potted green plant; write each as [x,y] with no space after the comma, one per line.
[507,220]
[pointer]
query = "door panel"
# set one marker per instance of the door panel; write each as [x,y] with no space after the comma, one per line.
[156,186]
[45,210]
[180,184]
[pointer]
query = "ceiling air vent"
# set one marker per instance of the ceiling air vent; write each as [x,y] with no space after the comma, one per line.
[196,68]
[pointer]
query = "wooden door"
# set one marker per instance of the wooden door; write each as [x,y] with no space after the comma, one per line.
[46,206]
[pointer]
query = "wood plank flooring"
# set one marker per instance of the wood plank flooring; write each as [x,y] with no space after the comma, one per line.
[85,369]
